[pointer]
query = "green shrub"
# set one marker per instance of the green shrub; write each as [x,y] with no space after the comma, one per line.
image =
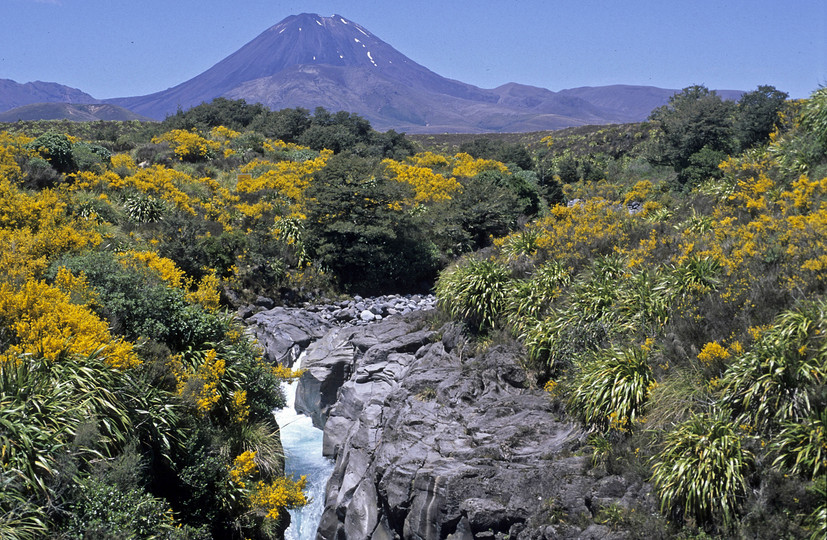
[611,391]
[701,472]
[56,149]
[475,291]
[39,174]
[101,510]
[139,304]
[90,157]
[782,378]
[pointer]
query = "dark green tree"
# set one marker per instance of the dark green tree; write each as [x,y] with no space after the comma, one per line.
[485,207]
[567,170]
[234,114]
[57,150]
[356,229]
[694,119]
[487,148]
[287,124]
[757,115]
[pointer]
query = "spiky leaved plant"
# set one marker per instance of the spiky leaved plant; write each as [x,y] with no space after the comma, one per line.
[530,299]
[144,209]
[781,379]
[611,391]
[802,446]
[701,470]
[475,291]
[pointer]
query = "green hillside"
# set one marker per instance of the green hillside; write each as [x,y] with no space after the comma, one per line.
[665,280]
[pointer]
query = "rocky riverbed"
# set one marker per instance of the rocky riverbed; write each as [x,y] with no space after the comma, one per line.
[433,439]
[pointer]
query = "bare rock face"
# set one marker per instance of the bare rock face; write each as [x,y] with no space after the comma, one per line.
[431,442]
[284,332]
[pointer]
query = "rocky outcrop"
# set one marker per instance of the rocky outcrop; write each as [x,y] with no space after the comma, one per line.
[353,311]
[283,332]
[432,441]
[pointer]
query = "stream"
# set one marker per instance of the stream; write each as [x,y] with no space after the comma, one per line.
[302,444]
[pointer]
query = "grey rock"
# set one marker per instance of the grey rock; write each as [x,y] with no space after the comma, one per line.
[264,302]
[430,442]
[283,332]
[431,446]
[327,364]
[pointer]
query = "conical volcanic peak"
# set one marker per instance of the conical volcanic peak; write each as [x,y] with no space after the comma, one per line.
[311,39]
[311,61]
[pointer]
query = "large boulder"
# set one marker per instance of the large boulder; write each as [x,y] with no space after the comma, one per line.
[283,332]
[330,361]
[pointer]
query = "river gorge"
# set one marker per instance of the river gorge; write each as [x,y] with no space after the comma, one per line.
[424,436]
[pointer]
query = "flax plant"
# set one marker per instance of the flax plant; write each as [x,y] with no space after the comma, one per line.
[701,471]
[611,391]
[475,292]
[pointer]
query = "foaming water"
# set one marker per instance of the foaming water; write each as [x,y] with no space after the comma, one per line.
[302,444]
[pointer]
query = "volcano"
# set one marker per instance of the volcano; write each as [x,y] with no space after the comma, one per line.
[310,61]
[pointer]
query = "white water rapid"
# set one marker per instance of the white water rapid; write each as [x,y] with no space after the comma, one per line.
[302,444]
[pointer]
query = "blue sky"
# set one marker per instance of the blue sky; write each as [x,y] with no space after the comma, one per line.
[114,48]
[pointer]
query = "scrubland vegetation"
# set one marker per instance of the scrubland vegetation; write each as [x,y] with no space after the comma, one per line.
[679,313]
[666,281]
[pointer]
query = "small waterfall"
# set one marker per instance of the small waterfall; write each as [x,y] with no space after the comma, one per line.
[302,444]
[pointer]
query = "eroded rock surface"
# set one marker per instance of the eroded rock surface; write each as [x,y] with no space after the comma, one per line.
[432,442]
[283,332]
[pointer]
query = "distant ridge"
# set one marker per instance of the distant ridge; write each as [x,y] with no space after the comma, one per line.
[78,112]
[310,61]
[14,94]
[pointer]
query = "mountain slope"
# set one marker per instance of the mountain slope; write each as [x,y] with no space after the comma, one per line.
[78,112]
[301,40]
[311,61]
[14,94]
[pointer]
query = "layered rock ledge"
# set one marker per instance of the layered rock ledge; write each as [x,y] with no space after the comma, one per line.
[431,441]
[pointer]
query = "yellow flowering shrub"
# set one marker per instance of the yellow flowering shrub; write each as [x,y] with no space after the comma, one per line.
[207,292]
[428,185]
[269,498]
[12,146]
[77,287]
[285,373]
[713,352]
[201,386]
[42,320]
[164,268]
[123,161]
[221,133]
[639,192]
[188,145]
[288,179]
[239,406]
[244,466]
[276,145]
[467,166]
[428,159]
[34,230]
[279,494]
[582,231]
[166,184]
